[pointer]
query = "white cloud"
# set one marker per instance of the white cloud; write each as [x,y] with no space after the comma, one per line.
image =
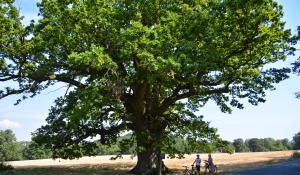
[5,123]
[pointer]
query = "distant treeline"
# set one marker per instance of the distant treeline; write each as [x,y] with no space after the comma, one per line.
[261,145]
[11,150]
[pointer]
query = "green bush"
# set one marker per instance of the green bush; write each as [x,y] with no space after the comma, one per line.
[4,167]
[296,155]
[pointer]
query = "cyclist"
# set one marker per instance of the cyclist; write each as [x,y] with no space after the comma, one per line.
[212,168]
[198,164]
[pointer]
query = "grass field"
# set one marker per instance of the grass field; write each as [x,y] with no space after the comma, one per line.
[102,165]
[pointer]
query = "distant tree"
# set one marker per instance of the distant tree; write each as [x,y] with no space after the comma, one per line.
[256,145]
[33,151]
[127,144]
[296,141]
[229,148]
[225,147]
[9,148]
[278,146]
[107,150]
[269,144]
[286,143]
[239,145]
[180,144]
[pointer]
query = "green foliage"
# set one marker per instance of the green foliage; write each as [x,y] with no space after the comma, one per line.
[240,146]
[296,141]
[278,146]
[269,143]
[296,155]
[9,148]
[127,144]
[266,144]
[287,144]
[296,64]
[256,145]
[107,150]
[230,149]
[181,144]
[33,151]
[141,66]
[5,167]
[124,145]
[225,147]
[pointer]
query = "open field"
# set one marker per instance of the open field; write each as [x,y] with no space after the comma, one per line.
[102,165]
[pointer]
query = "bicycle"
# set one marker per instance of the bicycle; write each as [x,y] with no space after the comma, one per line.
[211,169]
[186,171]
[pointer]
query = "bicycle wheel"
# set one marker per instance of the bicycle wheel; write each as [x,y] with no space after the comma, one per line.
[185,172]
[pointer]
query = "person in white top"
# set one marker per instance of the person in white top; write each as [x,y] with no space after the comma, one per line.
[198,164]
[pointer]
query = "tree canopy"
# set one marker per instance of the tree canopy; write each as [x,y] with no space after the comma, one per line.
[33,151]
[240,145]
[9,148]
[296,64]
[141,66]
[258,145]
[296,140]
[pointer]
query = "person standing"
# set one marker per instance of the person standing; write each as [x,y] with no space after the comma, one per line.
[212,167]
[197,162]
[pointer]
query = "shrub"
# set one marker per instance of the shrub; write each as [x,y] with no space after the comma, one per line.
[4,167]
[296,155]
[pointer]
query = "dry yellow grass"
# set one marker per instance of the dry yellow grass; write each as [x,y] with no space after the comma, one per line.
[231,162]
[233,159]
[225,162]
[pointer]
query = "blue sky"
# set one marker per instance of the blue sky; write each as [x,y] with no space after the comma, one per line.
[278,117]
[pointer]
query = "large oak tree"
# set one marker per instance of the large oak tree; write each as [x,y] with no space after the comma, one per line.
[141,65]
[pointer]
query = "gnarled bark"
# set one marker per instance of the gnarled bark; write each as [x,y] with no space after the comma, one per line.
[147,163]
[148,155]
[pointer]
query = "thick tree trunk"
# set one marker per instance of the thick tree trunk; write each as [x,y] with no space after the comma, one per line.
[147,163]
[148,155]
